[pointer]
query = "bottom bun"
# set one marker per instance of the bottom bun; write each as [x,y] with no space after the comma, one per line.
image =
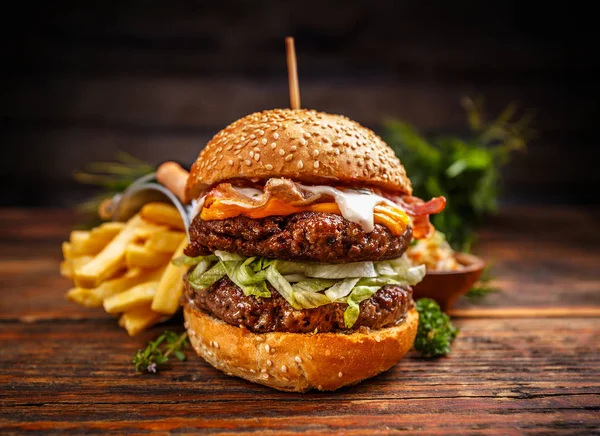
[299,362]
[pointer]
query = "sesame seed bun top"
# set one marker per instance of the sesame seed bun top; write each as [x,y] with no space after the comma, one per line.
[303,145]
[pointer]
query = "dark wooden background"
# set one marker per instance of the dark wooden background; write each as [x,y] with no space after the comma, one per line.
[158,79]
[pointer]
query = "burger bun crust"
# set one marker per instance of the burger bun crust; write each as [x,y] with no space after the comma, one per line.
[298,362]
[303,145]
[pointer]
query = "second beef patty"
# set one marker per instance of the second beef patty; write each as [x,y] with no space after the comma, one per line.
[260,315]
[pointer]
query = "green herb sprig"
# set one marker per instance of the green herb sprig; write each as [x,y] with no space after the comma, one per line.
[435,333]
[111,178]
[466,170]
[158,351]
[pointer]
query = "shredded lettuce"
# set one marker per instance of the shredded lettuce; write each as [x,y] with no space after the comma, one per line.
[341,289]
[358,294]
[208,278]
[190,261]
[304,285]
[282,285]
[328,271]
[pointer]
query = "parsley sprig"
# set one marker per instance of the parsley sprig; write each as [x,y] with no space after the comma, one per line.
[158,351]
[435,333]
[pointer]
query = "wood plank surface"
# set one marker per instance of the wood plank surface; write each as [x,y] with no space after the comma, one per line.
[65,369]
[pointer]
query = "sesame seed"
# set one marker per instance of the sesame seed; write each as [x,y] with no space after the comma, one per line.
[269,363]
[272,350]
[269,167]
[253,143]
[315,153]
[216,344]
[267,347]
[273,145]
[300,164]
[256,157]
[340,374]
[303,141]
[283,368]
[306,135]
[252,371]
[298,359]
[263,141]
[253,136]
[251,153]
[316,164]
[293,148]
[248,162]
[210,343]
[261,132]
[309,356]
[289,157]
[186,325]
[264,370]
[275,135]
[282,152]
[265,376]
[256,150]
[260,338]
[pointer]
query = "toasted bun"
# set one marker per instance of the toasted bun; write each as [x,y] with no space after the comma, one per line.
[303,145]
[299,362]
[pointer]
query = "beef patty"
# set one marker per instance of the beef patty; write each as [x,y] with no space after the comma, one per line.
[260,315]
[306,236]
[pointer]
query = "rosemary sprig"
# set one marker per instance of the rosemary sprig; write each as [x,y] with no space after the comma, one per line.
[158,351]
[111,178]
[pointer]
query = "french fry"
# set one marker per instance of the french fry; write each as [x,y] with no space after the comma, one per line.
[69,267]
[131,278]
[162,213]
[136,296]
[82,243]
[67,250]
[147,229]
[138,256]
[110,260]
[79,262]
[107,231]
[139,319]
[164,242]
[85,297]
[170,286]
[66,269]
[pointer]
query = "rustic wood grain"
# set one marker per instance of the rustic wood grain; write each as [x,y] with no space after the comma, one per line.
[65,369]
[505,375]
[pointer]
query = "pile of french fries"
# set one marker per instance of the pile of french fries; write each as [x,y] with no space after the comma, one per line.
[126,267]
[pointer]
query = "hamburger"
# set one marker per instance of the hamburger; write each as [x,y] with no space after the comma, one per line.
[297,278]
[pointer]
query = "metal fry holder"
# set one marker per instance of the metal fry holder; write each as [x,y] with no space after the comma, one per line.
[144,190]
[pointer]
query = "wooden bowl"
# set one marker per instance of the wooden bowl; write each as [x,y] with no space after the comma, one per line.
[445,287]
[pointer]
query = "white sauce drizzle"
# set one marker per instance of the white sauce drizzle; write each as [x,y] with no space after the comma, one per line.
[355,205]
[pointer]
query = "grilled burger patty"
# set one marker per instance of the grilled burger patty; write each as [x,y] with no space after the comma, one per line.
[306,236]
[260,315]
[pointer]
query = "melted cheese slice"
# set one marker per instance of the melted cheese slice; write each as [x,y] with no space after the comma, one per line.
[393,218]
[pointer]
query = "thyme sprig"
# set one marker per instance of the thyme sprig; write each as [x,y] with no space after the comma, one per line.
[158,351]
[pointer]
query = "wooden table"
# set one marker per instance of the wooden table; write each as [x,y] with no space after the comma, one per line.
[65,369]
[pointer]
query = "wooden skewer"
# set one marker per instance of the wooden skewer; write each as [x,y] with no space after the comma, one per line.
[292,73]
[527,312]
